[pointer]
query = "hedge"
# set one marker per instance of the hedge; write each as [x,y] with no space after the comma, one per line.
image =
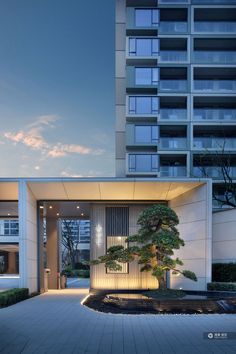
[12,296]
[82,273]
[221,286]
[224,272]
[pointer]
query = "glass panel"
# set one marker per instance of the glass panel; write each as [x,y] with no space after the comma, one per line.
[173,27]
[173,114]
[9,259]
[154,134]
[214,114]
[155,46]
[155,75]
[155,103]
[132,104]
[215,57]
[142,134]
[132,162]
[144,47]
[173,55]
[132,46]
[155,17]
[143,18]
[117,241]
[215,26]
[143,76]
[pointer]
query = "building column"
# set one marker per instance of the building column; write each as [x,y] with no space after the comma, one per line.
[52,252]
[28,246]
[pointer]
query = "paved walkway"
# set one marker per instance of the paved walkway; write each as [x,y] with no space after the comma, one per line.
[56,322]
[73,283]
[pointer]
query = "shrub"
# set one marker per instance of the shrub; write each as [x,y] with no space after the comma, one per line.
[83,273]
[221,286]
[82,265]
[224,272]
[13,296]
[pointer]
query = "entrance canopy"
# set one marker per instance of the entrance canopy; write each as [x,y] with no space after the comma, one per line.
[98,189]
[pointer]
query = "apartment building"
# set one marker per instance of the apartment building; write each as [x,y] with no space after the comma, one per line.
[175,88]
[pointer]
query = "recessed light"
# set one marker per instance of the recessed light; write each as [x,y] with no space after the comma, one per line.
[82,214]
[41,207]
[8,214]
[77,207]
[58,214]
[50,206]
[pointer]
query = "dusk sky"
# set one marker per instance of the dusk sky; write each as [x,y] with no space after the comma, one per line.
[57,88]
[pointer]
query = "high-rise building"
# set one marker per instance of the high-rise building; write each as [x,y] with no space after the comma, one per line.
[175,88]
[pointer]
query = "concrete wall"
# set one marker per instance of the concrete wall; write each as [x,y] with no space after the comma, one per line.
[194,211]
[28,250]
[99,279]
[224,236]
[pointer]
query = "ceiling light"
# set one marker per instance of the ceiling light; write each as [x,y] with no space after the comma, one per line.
[8,214]
[50,206]
[82,214]
[41,207]
[58,214]
[77,207]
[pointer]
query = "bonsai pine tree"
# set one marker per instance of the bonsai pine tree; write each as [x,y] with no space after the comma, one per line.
[152,246]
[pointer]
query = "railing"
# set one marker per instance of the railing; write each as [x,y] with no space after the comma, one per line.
[173,56]
[173,85]
[210,2]
[212,171]
[214,143]
[172,143]
[215,26]
[211,57]
[215,85]
[214,114]
[174,114]
[173,171]
[173,27]
[173,1]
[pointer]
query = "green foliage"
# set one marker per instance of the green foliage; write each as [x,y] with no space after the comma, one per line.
[165,294]
[13,296]
[224,272]
[221,286]
[153,245]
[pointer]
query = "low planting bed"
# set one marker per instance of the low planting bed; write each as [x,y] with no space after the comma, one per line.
[12,296]
[160,302]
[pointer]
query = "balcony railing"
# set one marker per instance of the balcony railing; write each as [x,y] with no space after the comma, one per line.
[173,56]
[173,85]
[214,143]
[215,26]
[219,57]
[210,2]
[212,171]
[173,171]
[215,85]
[226,114]
[173,1]
[173,27]
[174,114]
[172,143]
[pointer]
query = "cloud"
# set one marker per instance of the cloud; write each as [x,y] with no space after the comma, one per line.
[32,137]
[68,174]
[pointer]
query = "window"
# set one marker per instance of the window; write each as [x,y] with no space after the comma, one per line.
[143,47]
[117,241]
[143,105]
[146,17]
[143,163]
[146,134]
[9,259]
[9,227]
[146,76]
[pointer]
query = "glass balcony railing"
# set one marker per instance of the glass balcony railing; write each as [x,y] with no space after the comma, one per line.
[172,143]
[173,56]
[215,85]
[173,27]
[173,171]
[215,26]
[220,57]
[212,171]
[173,85]
[214,143]
[211,2]
[173,1]
[226,114]
[174,114]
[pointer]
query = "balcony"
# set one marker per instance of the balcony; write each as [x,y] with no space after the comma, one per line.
[173,85]
[172,143]
[215,26]
[173,114]
[143,163]
[173,171]
[214,143]
[215,57]
[215,85]
[226,114]
[173,2]
[212,172]
[143,47]
[173,27]
[173,56]
[142,135]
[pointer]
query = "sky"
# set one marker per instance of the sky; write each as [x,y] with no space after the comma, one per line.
[57,88]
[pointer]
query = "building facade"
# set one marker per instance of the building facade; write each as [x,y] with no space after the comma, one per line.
[175,88]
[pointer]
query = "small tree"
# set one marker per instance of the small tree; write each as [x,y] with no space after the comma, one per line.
[69,244]
[155,241]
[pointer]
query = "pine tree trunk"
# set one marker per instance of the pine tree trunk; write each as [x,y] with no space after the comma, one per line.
[162,283]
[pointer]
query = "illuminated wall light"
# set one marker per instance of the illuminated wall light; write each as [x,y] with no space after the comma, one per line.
[99,236]
[41,207]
